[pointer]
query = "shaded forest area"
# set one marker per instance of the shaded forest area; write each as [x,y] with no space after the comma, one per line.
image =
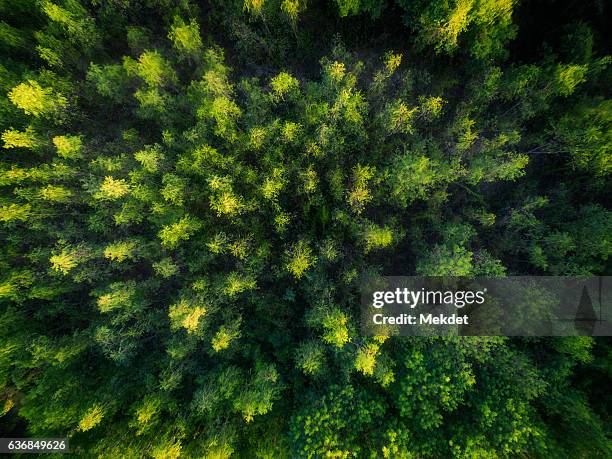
[191,194]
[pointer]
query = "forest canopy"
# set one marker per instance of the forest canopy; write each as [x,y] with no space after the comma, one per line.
[192,192]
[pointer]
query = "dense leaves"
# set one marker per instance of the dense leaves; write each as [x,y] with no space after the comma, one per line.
[191,194]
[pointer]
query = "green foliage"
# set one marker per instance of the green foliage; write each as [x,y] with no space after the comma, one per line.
[331,425]
[485,26]
[377,238]
[184,238]
[284,85]
[92,418]
[310,357]
[64,261]
[13,138]
[120,251]
[152,68]
[586,134]
[111,188]
[56,193]
[186,37]
[35,100]
[299,259]
[182,230]
[68,146]
[352,7]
